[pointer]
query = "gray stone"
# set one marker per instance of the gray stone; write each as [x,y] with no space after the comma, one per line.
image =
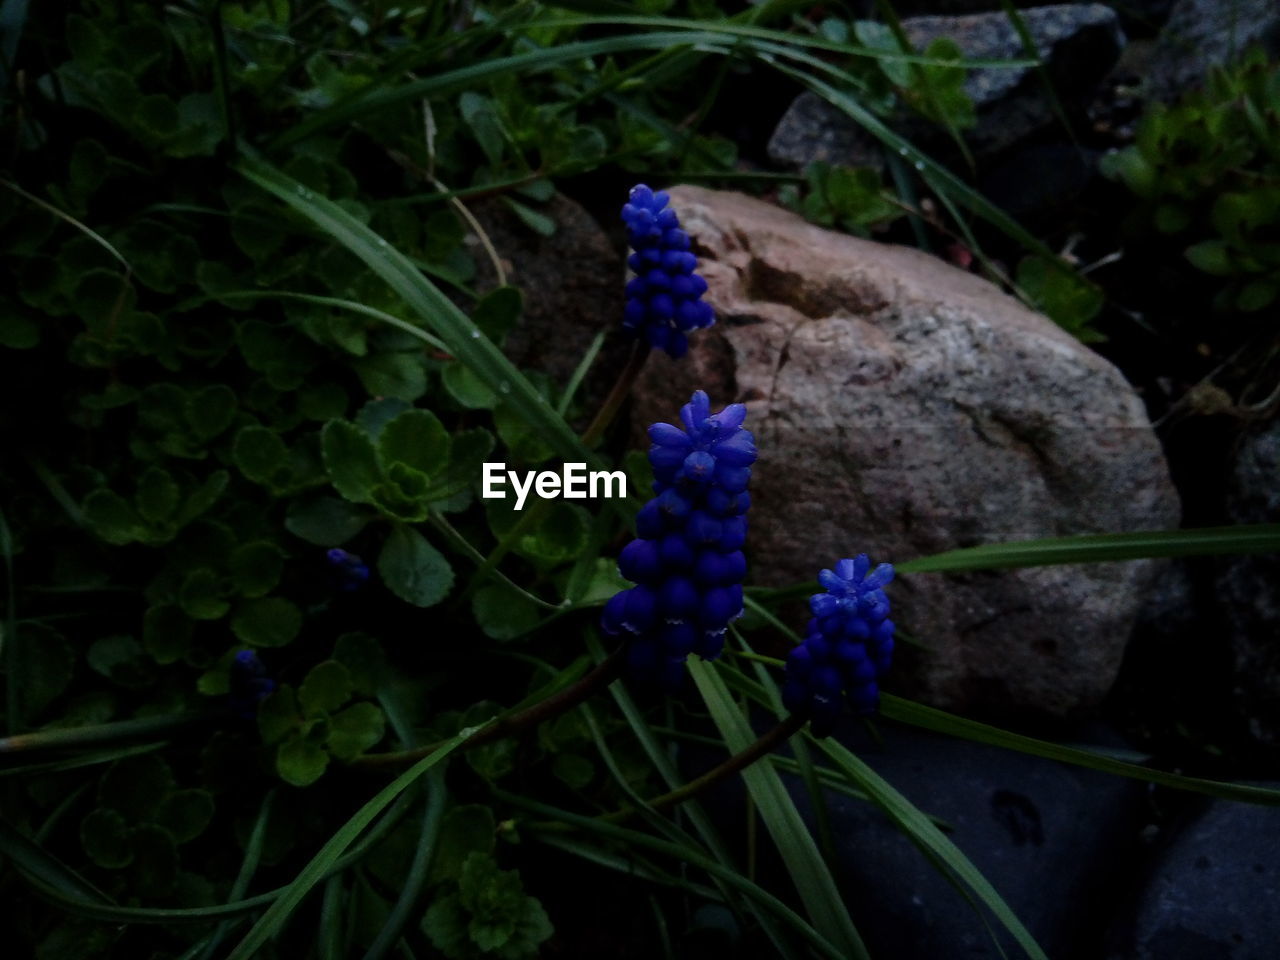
[1203,34]
[1249,587]
[1055,841]
[1213,893]
[572,284]
[902,408]
[1079,43]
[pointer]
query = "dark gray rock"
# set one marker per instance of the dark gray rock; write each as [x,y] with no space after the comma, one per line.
[1249,587]
[1203,34]
[572,284]
[1079,43]
[1056,841]
[1213,893]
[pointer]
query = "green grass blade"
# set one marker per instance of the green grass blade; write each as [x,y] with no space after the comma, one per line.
[463,338]
[315,871]
[27,745]
[682,854]
[692,810]
[929,838]
[44,867]
[808,872]
[1104,547]
[248,867]
[931,718]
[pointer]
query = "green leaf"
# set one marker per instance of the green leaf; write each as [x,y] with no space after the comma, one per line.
[416,439]
[926,835]
[157,495]
[202,497]
[1212,257]
[413,569]
[790,835]
[267,621]
[498,312]
[539,223]
[324,521]
[120,659]
[256,567]
[354,730]
[209,411]
[46,663]
[399,375]
[135,786]
[202,596]
[278,913]
[445,924]
[185,814]
[351,461]
[364,659]
[1066,297]
[467,829]
[435,309]
[112,518]
[1104,548]
[166,632]
[326,687]
[261,456]
[503,613]
[479,114]
[467,388]
[106,838]
[573,770]
[1257,295]
[278,715]
[300,762]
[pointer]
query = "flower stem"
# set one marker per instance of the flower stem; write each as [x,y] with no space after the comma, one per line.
[739,761]
[514,723]
[621,388]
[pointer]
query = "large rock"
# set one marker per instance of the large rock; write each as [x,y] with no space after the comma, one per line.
[902,408]
[1212,895]
[1249,587]
[1078,42]
[1203,34]
[1055,841]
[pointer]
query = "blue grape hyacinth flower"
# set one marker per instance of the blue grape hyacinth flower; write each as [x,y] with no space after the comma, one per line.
[847,648]
[664,298]
[350,573]
[687,560]
[249,683]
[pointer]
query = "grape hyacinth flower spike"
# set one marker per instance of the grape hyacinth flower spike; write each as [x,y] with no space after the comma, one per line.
[664,298]
[687,561]
[349,572]
[248,683]
[847,648]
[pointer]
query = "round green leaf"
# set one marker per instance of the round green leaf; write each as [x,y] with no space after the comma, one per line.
[267,621]
[185,814]
[413,569]
[300,762]
[105,836]
[324,521]
[256,567]
[326,687]
[355,730]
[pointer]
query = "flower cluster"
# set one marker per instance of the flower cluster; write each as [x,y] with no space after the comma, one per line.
[687,560]
[848,647]
[350,573]
[664,298]
[248,683]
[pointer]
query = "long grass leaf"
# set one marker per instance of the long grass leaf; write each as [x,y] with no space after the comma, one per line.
[929,838]
[681,853]
[1104,547]
[790,835]
[464,339]
[315,871]
[931,718]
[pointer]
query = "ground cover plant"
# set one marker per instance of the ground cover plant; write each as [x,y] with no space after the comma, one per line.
[278,681]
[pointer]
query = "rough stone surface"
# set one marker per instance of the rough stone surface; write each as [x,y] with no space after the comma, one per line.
[1249,588]
[572,283]
[1079,43]
[1212,894]
[902,408]
[1055,841]
[1202,34]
